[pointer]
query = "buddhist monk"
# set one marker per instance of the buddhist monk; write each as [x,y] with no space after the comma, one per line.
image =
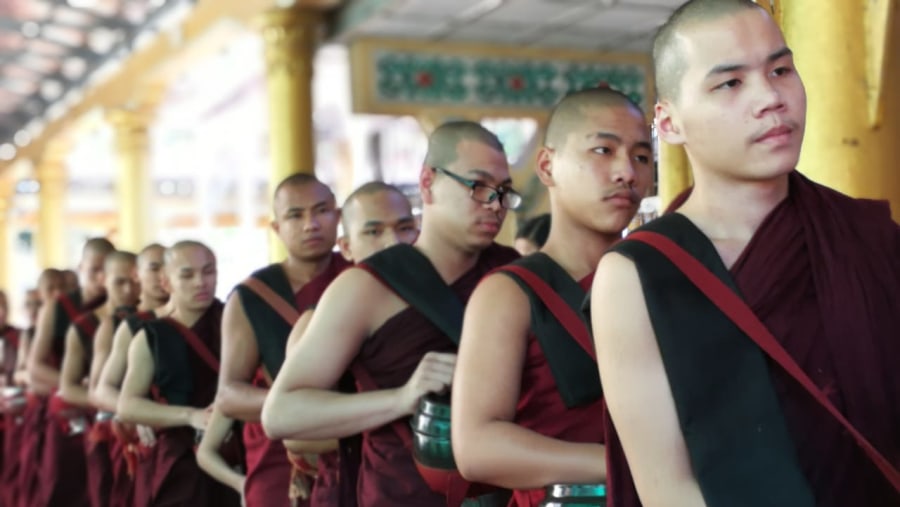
[61,479]
[254,333]
[121,298]
[170,381]
[537,425]
[110,358]
[532,234]
[702,414]
[375,216]
[9,345]
[26,447]
[466,191]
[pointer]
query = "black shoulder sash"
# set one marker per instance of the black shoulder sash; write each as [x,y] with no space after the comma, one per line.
[730,417]
[411,275]
[172,377]
[574,371]
[270,328]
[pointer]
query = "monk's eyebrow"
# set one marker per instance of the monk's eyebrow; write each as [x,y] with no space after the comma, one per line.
[726,68]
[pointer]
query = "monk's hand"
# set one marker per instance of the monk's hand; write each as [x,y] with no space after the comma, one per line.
[433,375]
[146,435]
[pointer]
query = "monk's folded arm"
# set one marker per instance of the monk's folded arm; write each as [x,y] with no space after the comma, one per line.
[43,378]
[133,406]
[236,396]
[71,388]
[106,394]
[488,446]
[637,390]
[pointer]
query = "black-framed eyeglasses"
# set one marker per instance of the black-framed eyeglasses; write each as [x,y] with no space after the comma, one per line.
[484,193]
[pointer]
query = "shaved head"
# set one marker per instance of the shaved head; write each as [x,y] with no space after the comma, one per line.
[120,256]
[295,181]
[370,188]
[571,110]
[101,246]
[669,63]
[186,244]
[443,142]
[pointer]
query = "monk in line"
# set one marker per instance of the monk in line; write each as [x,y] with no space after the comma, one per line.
[254,334]
[538,423]
[60,478]
[702,414]
[170,381]
[466,190]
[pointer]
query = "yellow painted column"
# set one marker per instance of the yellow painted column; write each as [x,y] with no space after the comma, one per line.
[132,178]
[7,191]
[290,37]
[674,173]
[53,180]
[848,54]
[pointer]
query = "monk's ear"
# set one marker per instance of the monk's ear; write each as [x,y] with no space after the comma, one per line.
[668,126]
[165,282]
[426,179]
[343,244]
[274,225]
[544,166]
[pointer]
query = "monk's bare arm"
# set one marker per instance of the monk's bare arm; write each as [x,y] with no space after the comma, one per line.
[237,397]
[208,457]
[102,346]
[488,446]
[301,403]
[71,377]
[20,376]
[135,407]
[106,395]
[305,446]
[43,378]
[637,390]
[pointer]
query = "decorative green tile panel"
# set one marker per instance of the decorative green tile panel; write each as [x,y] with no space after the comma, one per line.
[404,79]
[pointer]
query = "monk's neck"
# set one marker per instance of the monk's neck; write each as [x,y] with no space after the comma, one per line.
[448,259]
[299,272]
[577,250]
[186,316]
[733,211]
[149,304]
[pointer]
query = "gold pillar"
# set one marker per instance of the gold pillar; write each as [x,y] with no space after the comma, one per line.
[290,41]
[7,191]
[846,53]
[52,177]
[132,178]
[674,173]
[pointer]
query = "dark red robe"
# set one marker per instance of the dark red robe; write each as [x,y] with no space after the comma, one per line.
[388,476]
[58,475]
[10,423]
[542,409]
[176,478]
[268,468]
[822,273]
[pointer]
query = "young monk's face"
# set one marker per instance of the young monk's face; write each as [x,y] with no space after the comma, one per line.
[50,285]
[91,272]
[121,283]
[191,276]
[376,221]
[604,168]
[474,224]
[306,220]
[741,107]
[150,273]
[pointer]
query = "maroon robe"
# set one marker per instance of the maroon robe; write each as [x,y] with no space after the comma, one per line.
[822,273]
[268,468]
[388,476]
[10,423]
[58,475]
[542,409]
[124,446]
[176,478]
